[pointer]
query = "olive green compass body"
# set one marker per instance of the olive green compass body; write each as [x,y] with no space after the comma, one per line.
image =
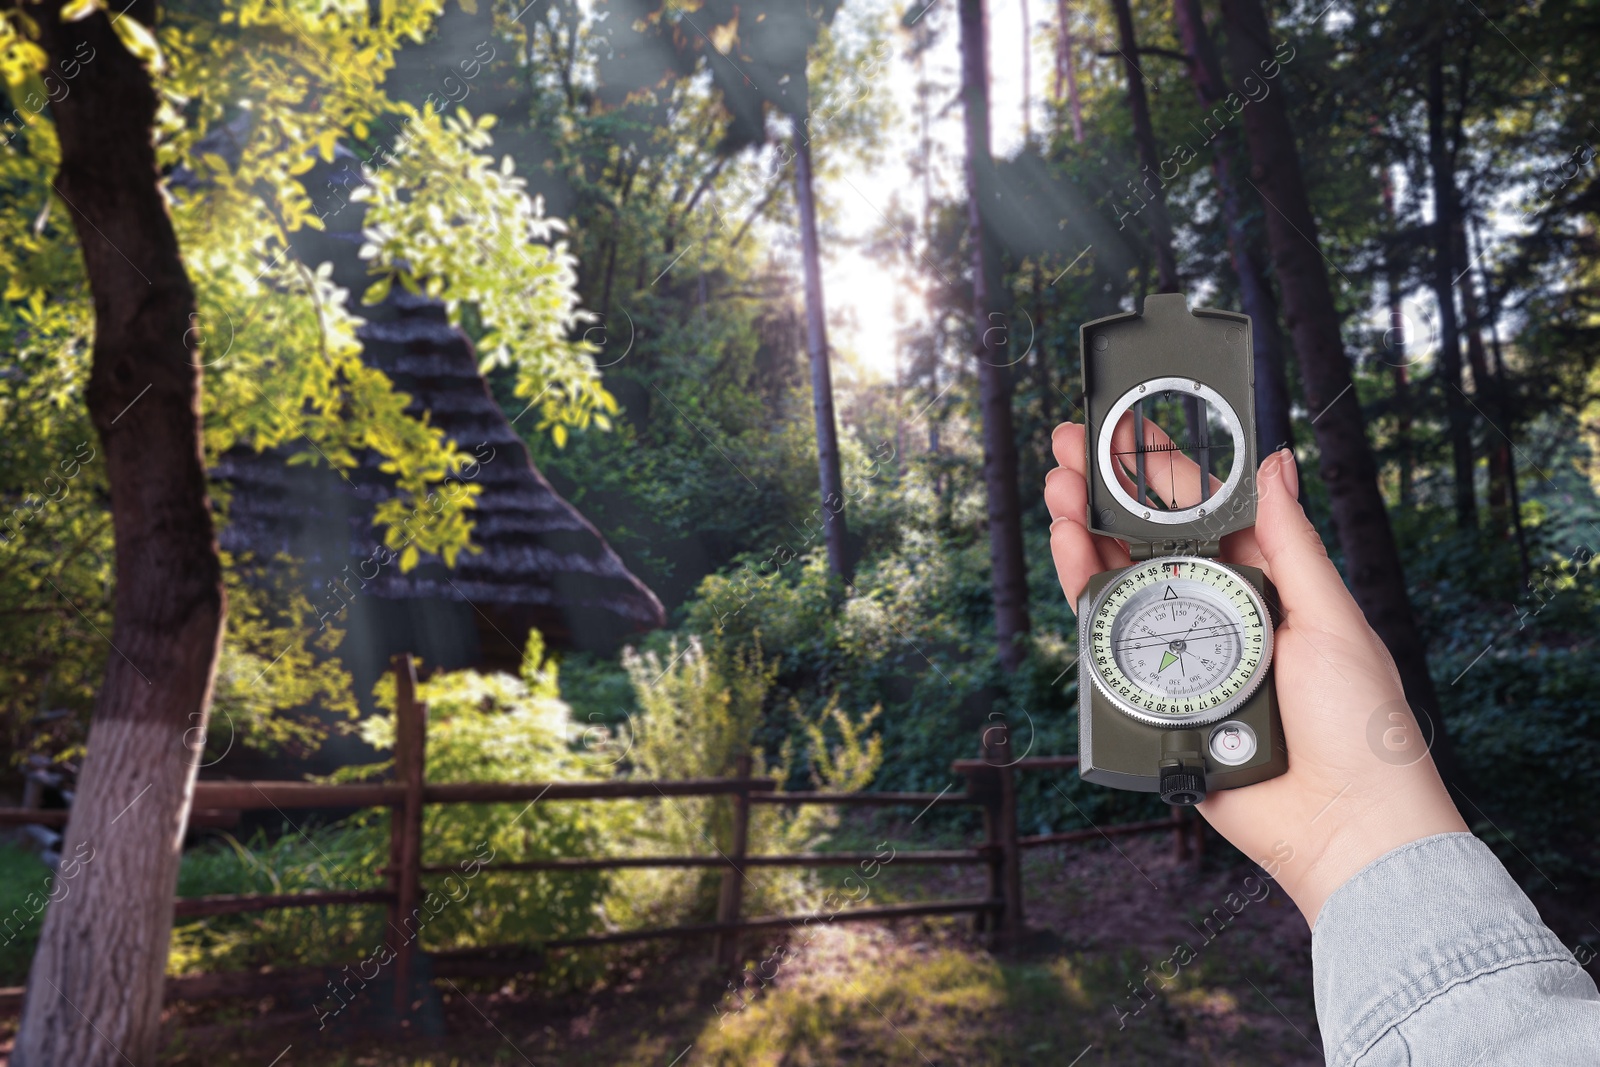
[1175,652]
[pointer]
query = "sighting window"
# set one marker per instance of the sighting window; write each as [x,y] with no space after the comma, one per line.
[1163,442]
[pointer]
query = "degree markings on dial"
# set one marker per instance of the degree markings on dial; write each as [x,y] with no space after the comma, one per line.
[1120,657]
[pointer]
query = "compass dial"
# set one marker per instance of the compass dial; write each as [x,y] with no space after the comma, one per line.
[1179,641]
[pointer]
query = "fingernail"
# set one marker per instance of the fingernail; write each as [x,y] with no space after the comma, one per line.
[1057,522]
[1290,472]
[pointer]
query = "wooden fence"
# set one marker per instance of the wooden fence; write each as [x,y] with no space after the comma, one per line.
[991,785]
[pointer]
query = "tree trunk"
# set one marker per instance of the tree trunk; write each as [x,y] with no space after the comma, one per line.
[1274,425]
[1010,579]
[94,991]
[1144,139]
[925,150]
[1484,389]
[1445,212]
[1067,67]
[1395,350]
[1371,559]
[1504,407]
[1027,73]
[832,484]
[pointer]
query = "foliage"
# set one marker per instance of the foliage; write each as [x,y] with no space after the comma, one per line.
[254,94]
[446,221]
[275,666]
[697,717]
[1516,664]
[482,728]
[700,709]
[289,861]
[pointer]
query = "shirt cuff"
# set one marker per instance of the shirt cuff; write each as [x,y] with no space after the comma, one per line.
[1415,922]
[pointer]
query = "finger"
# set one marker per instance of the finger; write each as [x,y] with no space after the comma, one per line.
[1244,547]
[1066,441]
[1113,553]
[1171,477]
[1294,555]
[1066,494]
[1076,557]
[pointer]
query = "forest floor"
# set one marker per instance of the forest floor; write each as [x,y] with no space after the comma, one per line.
[912,992]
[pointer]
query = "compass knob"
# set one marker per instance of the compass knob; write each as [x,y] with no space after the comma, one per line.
[1182,788]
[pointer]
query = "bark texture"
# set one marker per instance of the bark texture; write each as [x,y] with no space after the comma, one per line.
[94,992]
[1446,210]
[1067,68]
[1395,354]
[1144,139]
[1274,425]
[1486,387]
[831,481]
[1009,580]
[1372,562]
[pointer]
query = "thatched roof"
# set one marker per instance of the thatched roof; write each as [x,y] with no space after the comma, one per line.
[541,564]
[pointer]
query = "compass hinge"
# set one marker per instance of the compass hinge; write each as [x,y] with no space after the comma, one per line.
[1142,550]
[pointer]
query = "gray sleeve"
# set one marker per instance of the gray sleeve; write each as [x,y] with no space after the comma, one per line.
[1432,956]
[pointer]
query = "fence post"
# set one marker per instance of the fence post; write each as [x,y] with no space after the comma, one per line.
[405,826]
[997,750]
[1180,835]
[983,785]
[732,895]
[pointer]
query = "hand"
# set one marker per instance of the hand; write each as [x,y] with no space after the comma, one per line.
[1345,800]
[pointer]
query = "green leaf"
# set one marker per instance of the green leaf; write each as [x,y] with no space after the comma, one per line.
[378,290]
[78,10]
[139,41]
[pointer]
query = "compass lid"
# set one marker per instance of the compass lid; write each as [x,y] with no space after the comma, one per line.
[1169,391]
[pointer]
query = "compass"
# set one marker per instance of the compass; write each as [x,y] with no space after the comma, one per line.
[1175,651]
[1180,641]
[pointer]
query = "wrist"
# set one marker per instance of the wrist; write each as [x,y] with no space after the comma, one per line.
[1374,826]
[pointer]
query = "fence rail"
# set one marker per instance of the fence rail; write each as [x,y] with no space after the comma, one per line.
[991,785]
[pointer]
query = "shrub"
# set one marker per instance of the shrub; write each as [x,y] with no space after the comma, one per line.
[486,728]
[699,712]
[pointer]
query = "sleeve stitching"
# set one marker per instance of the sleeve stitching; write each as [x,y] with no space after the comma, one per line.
[1536,956]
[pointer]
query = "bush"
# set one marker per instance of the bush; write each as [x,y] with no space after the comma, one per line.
[700,712]
[486,728]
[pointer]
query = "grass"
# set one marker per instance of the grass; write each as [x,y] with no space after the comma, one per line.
[915,992]
[941,1005]
[24,890]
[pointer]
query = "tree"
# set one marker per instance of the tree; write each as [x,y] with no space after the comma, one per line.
[1067,68]
[766,65]
[1394,341]
[289,374]
[1274,426]
[1009,581]
[1144,139]
[1345,457]
[103,951]
[1446,210]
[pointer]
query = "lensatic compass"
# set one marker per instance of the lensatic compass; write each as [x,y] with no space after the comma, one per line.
[1175,652]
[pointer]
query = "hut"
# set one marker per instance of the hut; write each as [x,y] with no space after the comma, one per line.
[540,564]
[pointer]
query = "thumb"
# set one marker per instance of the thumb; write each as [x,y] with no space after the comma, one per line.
[1296,560]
